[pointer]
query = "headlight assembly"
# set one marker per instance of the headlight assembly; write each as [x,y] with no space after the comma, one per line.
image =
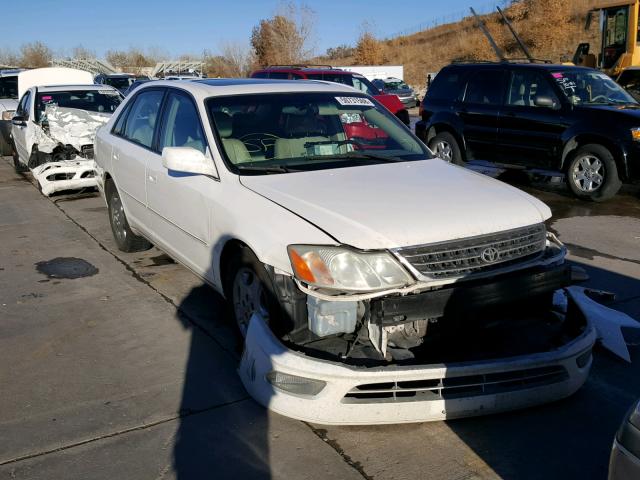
[341,268]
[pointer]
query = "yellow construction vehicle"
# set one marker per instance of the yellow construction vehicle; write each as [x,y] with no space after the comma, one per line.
[619,29]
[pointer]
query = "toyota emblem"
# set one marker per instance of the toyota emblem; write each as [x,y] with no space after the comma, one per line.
[490,255]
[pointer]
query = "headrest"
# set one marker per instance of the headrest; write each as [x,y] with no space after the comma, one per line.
[521,90]
[304,126]
[224,123]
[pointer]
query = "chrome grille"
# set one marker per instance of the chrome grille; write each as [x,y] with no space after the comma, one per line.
[456,387]
[470,256]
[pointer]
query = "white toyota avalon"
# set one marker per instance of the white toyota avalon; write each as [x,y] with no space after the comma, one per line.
[371,282]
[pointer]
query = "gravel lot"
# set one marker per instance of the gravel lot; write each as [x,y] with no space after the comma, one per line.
[129,372]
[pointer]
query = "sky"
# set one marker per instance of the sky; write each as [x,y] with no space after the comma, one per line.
[190,26]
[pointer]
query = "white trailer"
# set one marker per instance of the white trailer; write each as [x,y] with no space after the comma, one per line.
[377,71]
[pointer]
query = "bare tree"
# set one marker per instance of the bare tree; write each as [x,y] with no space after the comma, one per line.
[35,55]
[9,58]
[80,51]
[369,50]
[285,38]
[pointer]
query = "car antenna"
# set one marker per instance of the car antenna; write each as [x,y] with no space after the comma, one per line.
[483,27]
[516,36]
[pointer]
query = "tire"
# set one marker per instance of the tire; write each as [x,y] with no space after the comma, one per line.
[125,239]
[248,289]
[19,167]
[5,146]
[592,173]
[445,146]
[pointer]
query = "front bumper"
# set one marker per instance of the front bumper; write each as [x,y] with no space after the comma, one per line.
[462,389]
[408,102]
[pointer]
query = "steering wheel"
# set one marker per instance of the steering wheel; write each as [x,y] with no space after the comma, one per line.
[599,97]
[259,141]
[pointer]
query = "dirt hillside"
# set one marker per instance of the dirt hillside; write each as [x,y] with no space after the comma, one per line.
[550,28]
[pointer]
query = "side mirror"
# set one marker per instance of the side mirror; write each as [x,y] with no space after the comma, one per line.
[18,121]
[187,160]
[544,101]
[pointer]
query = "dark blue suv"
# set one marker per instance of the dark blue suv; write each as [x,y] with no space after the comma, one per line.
[570,119]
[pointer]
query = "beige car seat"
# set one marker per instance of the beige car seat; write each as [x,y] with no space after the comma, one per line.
[236,150]
[304,129]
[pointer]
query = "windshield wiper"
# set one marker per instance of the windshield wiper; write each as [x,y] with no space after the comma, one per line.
[265,169]
[355,156]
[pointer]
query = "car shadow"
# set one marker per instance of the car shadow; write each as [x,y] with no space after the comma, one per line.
[570,438]
[222,433]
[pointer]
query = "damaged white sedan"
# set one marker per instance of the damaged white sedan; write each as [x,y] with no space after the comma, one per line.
[53,131]
[371,282]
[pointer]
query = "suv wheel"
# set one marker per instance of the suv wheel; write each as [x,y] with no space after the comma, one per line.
[592,173]
[445,146]
[126,240]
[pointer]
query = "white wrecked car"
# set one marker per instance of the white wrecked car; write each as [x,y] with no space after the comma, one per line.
[54,126]
[372,283]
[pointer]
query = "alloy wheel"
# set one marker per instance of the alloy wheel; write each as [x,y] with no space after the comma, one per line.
[248,298]
[588,173]
[118,219]
[443,150]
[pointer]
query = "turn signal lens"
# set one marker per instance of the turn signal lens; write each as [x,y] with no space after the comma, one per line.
[8,114]
[294,384]
[635,134]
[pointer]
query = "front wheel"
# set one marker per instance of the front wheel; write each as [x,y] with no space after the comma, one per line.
[249,290]
[592,173]
[126,240]
[445,146]
[19,167]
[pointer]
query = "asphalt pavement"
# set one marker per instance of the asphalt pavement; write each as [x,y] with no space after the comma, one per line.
[123,366]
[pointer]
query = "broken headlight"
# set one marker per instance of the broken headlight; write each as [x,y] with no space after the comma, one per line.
[341,268]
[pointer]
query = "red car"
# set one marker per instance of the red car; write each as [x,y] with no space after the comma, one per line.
[329,74]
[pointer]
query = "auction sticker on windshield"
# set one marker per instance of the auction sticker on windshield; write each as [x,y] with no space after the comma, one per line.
[359,101]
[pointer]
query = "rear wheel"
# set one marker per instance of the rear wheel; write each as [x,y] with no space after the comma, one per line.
[126,240]
[445,146]
[592,173]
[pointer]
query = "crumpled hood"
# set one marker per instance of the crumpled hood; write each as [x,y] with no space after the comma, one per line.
[8,104]
[396,205]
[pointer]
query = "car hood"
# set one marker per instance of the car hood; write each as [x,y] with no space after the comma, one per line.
[632,111]
[8,104]
[396,205]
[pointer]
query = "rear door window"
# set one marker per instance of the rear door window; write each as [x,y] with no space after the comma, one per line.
[525,86]
[141,121]
[485,87]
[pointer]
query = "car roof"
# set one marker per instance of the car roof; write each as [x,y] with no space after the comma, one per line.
[71,88]
[305,70]
[10,72]
[203,88]
[537,66]
[118,75]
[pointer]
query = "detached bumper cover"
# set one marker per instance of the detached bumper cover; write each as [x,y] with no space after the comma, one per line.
[411,394]
[65,175]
